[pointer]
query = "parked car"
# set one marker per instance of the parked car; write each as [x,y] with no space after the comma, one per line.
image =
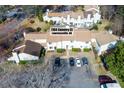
[110,85]
[57,61]
[104,62]
[78,62]
[71,61]
[105,79]
[85,61]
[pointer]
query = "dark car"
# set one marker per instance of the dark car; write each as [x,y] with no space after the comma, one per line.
[71,61]
[85,61]
[57,61]
[105,79]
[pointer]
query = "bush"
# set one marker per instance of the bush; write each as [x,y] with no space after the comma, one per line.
[32,21]
[94,27]
[107,27]
[76,49]
[46,22]
[38,29]
[99,22]
[0,21]
[30,29]
[87,49]
[51,22]
[60,50]
[23,62]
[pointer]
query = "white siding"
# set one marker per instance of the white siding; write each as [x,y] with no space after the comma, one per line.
[81,22]
[23,56]
[68,44]
[106,47]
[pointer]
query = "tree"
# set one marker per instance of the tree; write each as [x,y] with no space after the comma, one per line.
[39,13]
[115,60]
[121,11]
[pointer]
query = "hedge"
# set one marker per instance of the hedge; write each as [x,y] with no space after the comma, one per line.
[76,49]
[23,62]
[60,50]
[87,49]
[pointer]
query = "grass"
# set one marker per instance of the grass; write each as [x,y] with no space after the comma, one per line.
[121,82]
[103,25]
[43,25]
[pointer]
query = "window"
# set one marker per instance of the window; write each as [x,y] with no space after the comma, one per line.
[87,42]
[50,43]
[50,47]
[54,47]
[71,41]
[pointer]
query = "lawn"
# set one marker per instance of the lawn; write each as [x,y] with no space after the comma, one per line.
[101,27]
[43,25]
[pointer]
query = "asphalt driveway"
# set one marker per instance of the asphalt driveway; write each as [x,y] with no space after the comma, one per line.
[82,77]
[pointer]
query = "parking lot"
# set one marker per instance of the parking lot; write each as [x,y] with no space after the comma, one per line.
[84,76]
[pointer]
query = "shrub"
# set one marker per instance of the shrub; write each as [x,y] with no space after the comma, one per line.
[23,62]
[0,21]
[60,50]
[46,22]
[38,29]
[32,21]
[95,27]
[76,49]
[99,22]
[30,29]
[107,27]
[87,49]
[51,22]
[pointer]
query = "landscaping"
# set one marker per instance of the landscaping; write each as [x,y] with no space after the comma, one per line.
[76,49]
[87,49]
[36,24]
[23,62]
[60,50]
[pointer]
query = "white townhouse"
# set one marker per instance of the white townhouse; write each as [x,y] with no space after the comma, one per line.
[65,38]
[80,19]
[68,38]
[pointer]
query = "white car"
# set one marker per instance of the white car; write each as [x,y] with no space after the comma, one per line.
[110,85]
[78,62]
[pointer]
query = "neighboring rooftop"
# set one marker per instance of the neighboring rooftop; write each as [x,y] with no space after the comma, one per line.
[65,14]
[104,37]
[79,35]
[89,9]
[29,47]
